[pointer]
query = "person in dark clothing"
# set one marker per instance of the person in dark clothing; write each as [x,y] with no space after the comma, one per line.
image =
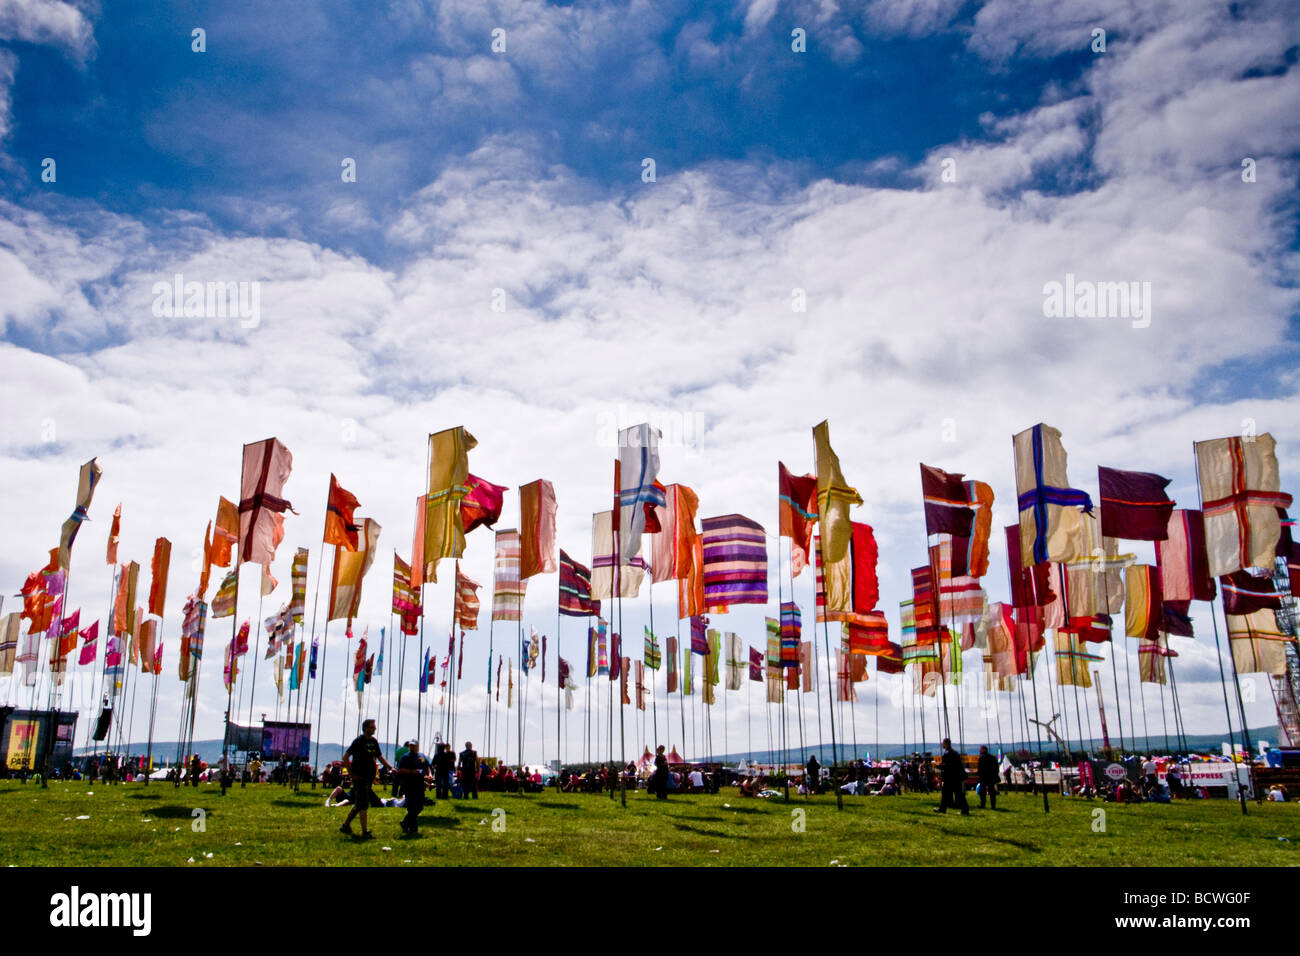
[196,768]
[659,780]
[813,774]
[412,776]
[987,771]
[359,761]
[469,770]
[443,763]
[953,772]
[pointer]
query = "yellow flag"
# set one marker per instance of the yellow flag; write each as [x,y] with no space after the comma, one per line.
[834,498]
[444,532]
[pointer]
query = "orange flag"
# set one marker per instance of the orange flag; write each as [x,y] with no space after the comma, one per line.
[114,533]
[340,525]
[226,533]
[159,568]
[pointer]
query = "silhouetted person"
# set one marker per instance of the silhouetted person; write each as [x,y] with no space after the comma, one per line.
[814,774]
[987,771]
[469,770]
[953,772]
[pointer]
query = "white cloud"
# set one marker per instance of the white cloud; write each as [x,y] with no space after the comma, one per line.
[49,22]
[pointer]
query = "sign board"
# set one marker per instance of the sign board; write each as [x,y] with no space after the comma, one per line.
[1116,772]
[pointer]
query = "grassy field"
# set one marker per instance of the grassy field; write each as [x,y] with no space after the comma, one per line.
[134,825]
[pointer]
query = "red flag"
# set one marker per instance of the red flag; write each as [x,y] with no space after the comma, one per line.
[340,524]
[482,504]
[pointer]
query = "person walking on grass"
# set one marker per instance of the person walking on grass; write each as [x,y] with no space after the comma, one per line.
[469,771]
[359,761]
[953,773]
[413,775]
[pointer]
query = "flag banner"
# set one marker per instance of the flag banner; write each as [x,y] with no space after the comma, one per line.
[1096,585]
[615,655]
[467,603]
[225,533]
[971,554]
[868,635]
[1176,619]
[1143,613]
[950,655]
[564,674]
[1000,641]
[630,573]
[791,630]
[688,687]
[89,646]
[890,662]
[543,655]
[510,683]
[241,640]
[845,691]
[341,528]
[639,667]
[406,599]
[1051,526]
[602,650]
[1248,590]
[146,641]
[1258,643]
[69,630]
[230,666]
[500,661]
[699,635]
[673,544]
[482,504]
[807,667]
[712,659]
[267,465]
[671,644]
[298,578]
[350,569]
[444,529]
[735,662]
[636,488]
[798,511]
[735,562]
[299,660]
[575,588]
[507,586]
[1072,661]
[834,498]
[622,681]
[755,664]
[269,583]
[114,534]
[651,655]
[193,626]
[772,670]
[1151,660]
[537,529]
[159,568]
[1134,504]
[87,481]
[925,604]
[947,510]
[426,672]
[124,610]
[960,599]
[1240,497]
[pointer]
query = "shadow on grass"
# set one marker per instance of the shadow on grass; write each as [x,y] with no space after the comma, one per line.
[705,819]
[298,804]
[688,829]
[1018,844]
[445,823]
[558,806]
[174,813]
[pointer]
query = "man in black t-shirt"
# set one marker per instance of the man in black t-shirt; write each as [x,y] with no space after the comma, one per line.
[469,771]
[359,761]
[412,776]
[444,761]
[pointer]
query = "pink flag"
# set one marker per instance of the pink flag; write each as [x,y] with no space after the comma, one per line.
[89,637]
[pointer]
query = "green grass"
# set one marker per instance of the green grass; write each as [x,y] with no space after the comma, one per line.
[134,825]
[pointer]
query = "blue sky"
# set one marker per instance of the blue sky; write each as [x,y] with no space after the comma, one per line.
[514,178]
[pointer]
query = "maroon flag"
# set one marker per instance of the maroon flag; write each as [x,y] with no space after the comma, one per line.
[755,664]
[1181,557]
[947,503]
[1244,593]
[1134,505]
[615,658]
[798,514]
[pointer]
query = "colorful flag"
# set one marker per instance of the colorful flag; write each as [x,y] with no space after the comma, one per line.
[124,609]
[467,603]
[89,645]
[86,482]
[241,639]
[507,586]
[10,630]
[1073,661]
[791,630]
[630,573]
[1245,593]
[223,602]
[1151,660]
[735,661]
[636,474]
[1051,526]
[230,667]
[971,554]
[671,643]
[834,498]
[1134,504]
[798,514]
[1142,601]
[341,527]
[298,576]
[735,562]
[537,528]
[444,529]
[673,546]
[699,635]
[1258,643]
[225,533]
[1240,498]
[159,568]
[350,569]
[267,465]
[653,658]
[426,671]
[406,599]
[602,653]
[575,589]
[947,509]
[482,503]
[114,534]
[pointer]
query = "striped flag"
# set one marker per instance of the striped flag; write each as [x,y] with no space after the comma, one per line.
[653,658]
[507,586]
[575,589]
[735,562]
[467,603]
